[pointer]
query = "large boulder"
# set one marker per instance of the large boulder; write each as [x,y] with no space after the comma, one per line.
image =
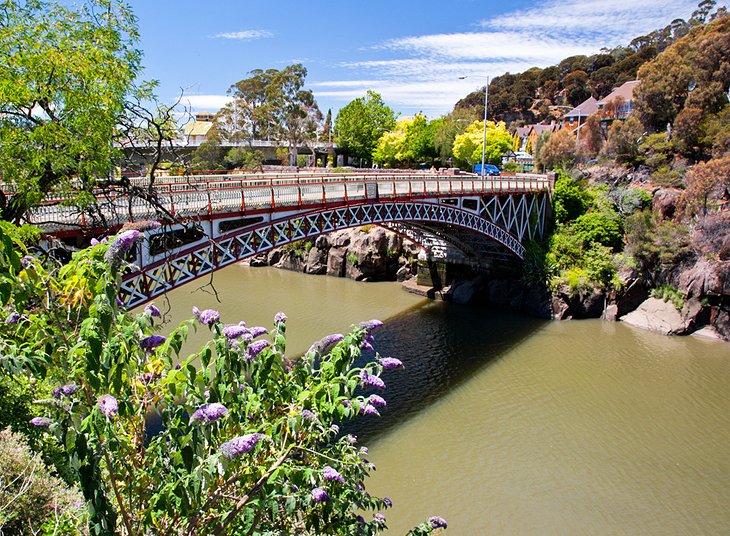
[657,315]
[665,202]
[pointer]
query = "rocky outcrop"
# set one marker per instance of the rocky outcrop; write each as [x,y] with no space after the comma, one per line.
[657,315]
[364,254]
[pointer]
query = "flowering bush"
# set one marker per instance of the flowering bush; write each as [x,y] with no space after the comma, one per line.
[234,439]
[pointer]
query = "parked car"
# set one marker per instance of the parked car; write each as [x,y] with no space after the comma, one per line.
[489,169]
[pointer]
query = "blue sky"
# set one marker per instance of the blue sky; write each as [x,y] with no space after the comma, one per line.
[415,53]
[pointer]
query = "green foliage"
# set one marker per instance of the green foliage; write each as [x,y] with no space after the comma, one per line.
[468,146]
[655,243]
[511,166]
[360,123]
[409,143]
[240,157]
[55,124]
[599,228]
[570,199]
[271,103]
[195,475]
[352,258]
[669,178]
[669,294]
[32,501]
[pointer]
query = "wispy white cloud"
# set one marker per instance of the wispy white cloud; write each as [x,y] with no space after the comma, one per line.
[207,103]
[424,71]
[244,35]
[595,19]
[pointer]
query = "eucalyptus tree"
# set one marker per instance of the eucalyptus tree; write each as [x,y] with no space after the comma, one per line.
[271,104]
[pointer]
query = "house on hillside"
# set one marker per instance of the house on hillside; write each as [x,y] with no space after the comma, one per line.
[578,116]
[536,130]
[196,132]
[522,133]
[619,103]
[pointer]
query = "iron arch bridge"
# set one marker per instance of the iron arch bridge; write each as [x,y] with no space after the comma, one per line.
[224,219]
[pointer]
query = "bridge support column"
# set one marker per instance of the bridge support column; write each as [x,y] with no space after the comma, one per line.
[430,273]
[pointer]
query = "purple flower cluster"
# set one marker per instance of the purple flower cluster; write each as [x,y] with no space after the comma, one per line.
[437,522]
[390,362]
[387,502]
[120,246]
[108,405]
[368,380]
[68,390]
[369,409]
[209,412]
[371,324]
[330,473]
[254,349]
[234,332]
[12,318]
[152,310]
[308,415]
[239,445]
[325,342]
[26,261]
[320,495]
[208,317]
[257,331]
[151,342]
[279,318]
[40,422]
[379,518]
[377,401]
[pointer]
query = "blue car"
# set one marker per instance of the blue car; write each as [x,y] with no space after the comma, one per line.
[489,169]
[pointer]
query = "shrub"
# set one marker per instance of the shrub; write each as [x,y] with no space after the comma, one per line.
[654,243]
[248,440]
[669,294]
[599,228]
[570,199]
[30,498]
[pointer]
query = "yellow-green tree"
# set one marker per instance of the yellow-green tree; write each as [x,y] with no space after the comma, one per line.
[468,146]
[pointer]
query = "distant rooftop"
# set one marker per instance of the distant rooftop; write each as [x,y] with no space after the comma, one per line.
[585,109]
[625,91]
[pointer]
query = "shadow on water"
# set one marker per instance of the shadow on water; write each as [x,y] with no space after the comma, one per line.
[441,346]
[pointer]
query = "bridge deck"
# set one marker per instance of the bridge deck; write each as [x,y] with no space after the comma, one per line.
[213,196]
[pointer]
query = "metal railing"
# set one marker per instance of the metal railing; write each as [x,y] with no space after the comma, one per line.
[207,196]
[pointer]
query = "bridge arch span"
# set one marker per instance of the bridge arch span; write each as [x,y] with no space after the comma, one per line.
[414,219]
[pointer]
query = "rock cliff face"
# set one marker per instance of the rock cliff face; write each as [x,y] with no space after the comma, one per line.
[362,254]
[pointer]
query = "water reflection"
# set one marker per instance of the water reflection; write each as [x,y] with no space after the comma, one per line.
[441,345]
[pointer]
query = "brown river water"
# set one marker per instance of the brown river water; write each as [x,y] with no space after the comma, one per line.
[504,424]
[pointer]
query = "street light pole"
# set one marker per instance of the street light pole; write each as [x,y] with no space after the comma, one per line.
[484,139]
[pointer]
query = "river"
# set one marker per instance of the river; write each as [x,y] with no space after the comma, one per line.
[504,424]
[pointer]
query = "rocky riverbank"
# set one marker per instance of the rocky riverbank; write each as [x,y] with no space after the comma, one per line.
[372,253]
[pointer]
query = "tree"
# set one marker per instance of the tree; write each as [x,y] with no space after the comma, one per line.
[705,180]
[360,123]
[248,440]
[468,146]
[64,77]
[624,140]
[558,151]
[272,103]
[209,155]
[445,130]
